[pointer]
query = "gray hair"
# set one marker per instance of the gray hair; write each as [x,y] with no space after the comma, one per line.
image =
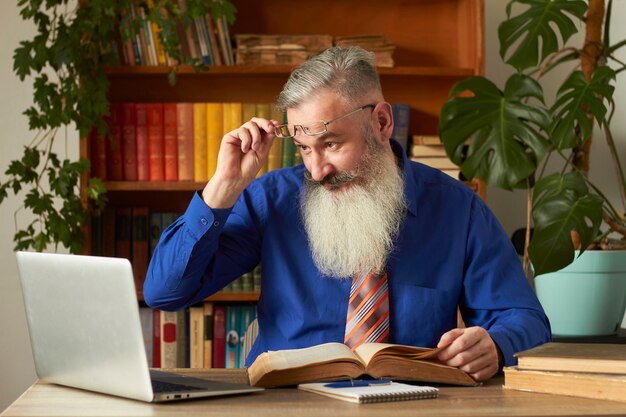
[349,72]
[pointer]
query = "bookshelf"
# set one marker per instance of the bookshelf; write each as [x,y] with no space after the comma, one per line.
[438,42]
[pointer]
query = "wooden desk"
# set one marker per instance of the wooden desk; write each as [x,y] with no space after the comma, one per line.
[489,400]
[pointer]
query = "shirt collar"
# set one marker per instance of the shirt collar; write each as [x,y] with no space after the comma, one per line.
[410,186]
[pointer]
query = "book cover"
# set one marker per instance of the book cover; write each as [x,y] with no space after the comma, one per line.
[155,141]
[196,337]
[108,231]
[575,357]
[578,384]
[439,162]
[123,233]
[219,336]
[98,154]
[185,136]
[208,334]
[170,142]
[334,361]
[371,391]
[247,316]
[401,123]
[146,317]
[169,330]
[155,231]
[156,338]
[140,243]
[215,128]
[428,150]
[200,142]
[233,323]
[141,135]
[426,140]
[115,154]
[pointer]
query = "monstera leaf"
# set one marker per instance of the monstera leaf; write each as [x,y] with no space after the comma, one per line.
[562,204]
[507,138]
[542,24]
[574,99]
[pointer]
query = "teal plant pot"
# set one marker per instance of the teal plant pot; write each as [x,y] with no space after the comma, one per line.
[588,297]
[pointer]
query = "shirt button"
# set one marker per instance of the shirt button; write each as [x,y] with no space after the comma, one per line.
[204,221]
[216,223]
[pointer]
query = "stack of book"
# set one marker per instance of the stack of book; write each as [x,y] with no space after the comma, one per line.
[428,150]
[382,47]
[256,49]
[590,370]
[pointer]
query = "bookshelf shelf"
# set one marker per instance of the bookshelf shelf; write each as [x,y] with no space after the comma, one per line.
[158,186]
[438,43]
[184,71]
[226,297]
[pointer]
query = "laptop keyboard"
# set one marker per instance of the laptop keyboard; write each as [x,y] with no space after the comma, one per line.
[162,386]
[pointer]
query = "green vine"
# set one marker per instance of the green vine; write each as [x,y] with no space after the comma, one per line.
[66,60]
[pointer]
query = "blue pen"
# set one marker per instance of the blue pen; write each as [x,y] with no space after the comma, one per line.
[358,383]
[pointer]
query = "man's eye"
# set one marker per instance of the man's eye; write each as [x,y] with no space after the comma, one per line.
[330,145]
[303,148]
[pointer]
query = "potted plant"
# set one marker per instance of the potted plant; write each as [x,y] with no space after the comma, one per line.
[514,132]
[66,59]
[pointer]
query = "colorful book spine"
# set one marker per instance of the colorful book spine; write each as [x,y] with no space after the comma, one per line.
[219,336]
[129,141]
[170,142]
[200,142]
[115,169]
[155,141]
[141,135]
[215,114]
[184,128]
[208,334]
[140,245]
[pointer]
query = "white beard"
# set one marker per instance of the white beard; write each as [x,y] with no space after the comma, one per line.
[353,230]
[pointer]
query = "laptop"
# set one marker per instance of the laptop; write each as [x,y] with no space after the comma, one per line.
[85,331]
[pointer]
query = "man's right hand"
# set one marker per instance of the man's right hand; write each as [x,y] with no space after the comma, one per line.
[242,154]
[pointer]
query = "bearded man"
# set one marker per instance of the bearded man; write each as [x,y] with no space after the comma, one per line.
[356,225]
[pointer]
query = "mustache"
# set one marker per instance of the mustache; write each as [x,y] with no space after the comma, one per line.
[332,180]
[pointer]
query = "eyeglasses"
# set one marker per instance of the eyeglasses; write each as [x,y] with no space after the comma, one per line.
[313,129]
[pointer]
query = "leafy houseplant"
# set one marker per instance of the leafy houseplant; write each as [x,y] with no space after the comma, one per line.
[513,131]
[66,59]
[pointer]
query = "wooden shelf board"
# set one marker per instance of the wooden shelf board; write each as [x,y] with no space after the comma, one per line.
[253,70]
[153,185]
[235,296]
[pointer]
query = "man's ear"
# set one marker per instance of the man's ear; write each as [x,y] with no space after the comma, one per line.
[384,121]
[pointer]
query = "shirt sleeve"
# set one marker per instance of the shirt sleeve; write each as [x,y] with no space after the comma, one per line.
[199,254]
[496,293]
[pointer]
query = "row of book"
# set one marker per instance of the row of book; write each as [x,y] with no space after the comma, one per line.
[210,335]
[175,141]
[134,232]
[283,49]
[590,370]
[180,141]
[206,39]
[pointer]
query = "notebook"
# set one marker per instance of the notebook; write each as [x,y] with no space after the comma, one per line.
[375,391]
[85,331]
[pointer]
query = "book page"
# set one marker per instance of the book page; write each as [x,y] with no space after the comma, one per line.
[294,358]
[367,351]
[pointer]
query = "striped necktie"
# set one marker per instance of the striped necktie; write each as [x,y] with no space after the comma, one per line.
[368,310]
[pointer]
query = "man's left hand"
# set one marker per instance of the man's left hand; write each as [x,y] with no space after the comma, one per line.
[472,350]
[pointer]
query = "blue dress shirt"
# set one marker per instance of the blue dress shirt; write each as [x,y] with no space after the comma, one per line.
[450,251]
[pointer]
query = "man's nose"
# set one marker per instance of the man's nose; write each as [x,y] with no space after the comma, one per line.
[319,166]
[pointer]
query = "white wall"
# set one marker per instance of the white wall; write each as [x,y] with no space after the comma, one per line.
[16,368]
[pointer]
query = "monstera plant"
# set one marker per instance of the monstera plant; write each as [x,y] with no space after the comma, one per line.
[513,131]
[66,60]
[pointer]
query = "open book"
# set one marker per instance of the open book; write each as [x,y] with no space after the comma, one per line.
[335,361]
